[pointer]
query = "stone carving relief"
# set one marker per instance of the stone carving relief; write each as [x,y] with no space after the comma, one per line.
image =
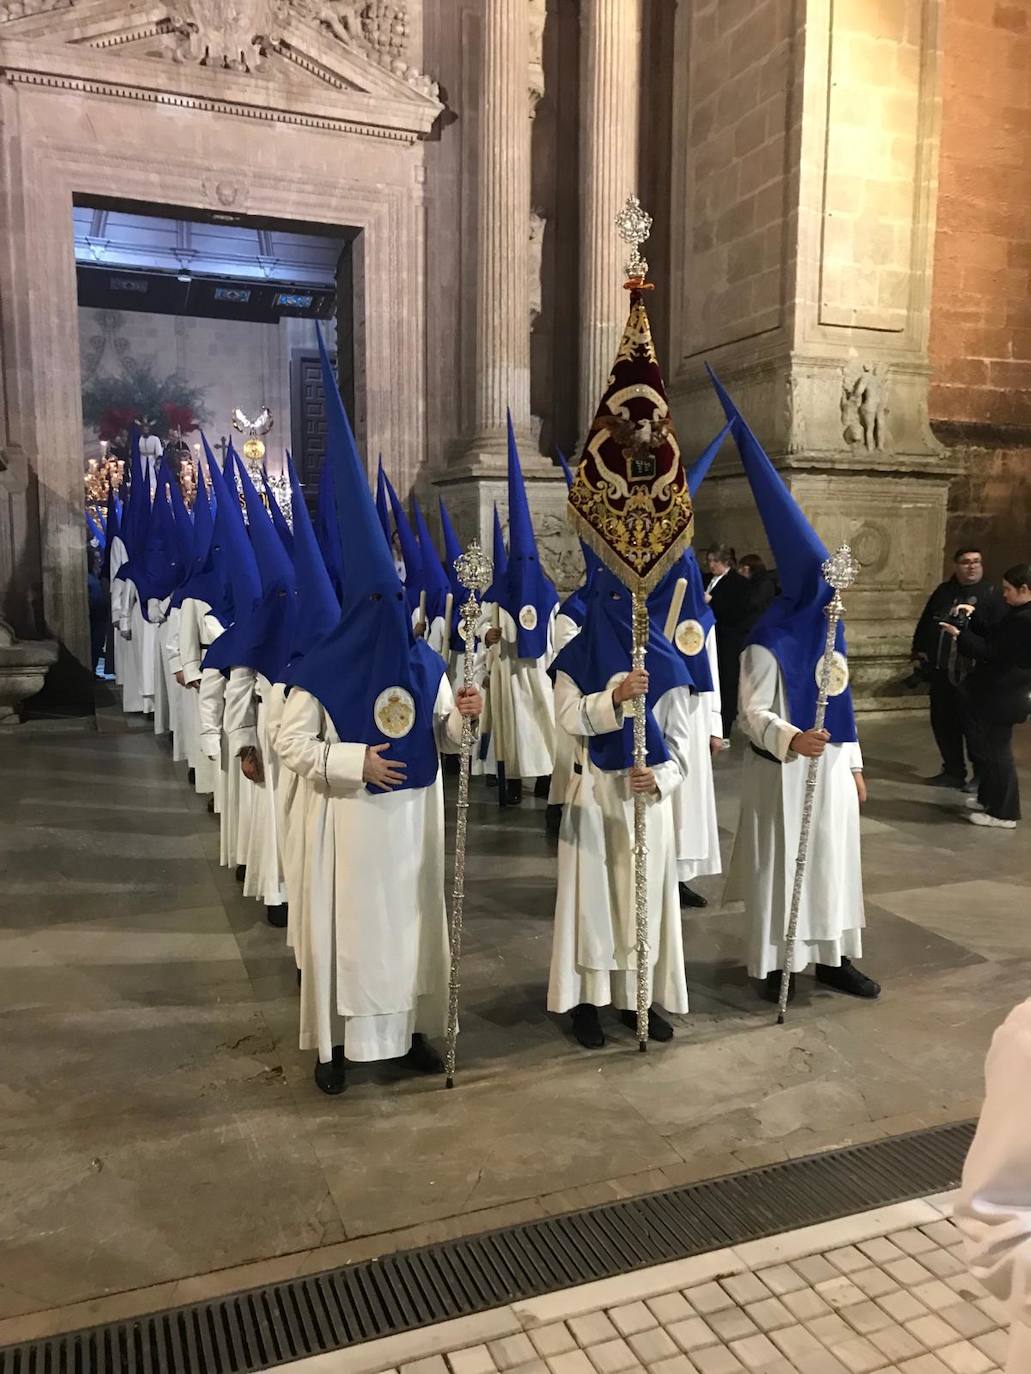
[538,18]
[237,35]
[535,258]
[864,410]
[871,545]
[110,323]
[558,549]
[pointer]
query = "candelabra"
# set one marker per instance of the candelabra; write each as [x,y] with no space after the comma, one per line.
[101,473]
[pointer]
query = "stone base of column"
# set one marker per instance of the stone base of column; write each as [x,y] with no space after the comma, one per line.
[471,498]
[888,503]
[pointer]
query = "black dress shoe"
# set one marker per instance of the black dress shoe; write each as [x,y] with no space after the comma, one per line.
[276,915]
[422,1057]
[770,988]
[847,978]
[331,1078]
[542,787]
[191,776]
[553,820]
[510,793]
[658,1027]
[587,1029]
[241,872]
[689,897]
[945,780]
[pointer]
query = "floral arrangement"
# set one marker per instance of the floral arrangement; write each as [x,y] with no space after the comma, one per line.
[111,404]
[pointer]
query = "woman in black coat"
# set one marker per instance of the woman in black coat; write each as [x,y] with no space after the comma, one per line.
[998,696]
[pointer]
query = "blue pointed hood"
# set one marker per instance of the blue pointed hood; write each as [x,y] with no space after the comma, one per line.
[163,564]
[382,506]
[317,611]
[603,648]
[410,551]
[435,580]
[260,635]
[499,562]
[527,594]
[327,528]
[575,605]
[136,518]
[204,582]
[793,627]
[112,528]
[699,469]
[275,510]
[370,674]
[95,530]
[452,552]
[237,583]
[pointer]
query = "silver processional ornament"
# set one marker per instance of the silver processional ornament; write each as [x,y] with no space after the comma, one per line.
[475,572]
[254,453]
[839,571]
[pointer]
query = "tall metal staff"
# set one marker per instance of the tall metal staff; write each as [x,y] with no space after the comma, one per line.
[474,572]
[631,504]
[840,571]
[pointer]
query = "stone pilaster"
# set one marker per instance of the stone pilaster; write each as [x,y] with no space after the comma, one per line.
[610,65]
[503,217]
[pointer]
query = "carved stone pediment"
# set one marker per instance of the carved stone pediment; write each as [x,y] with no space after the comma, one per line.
[227,50]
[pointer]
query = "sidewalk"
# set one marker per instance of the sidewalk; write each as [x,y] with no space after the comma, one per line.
[883,1292]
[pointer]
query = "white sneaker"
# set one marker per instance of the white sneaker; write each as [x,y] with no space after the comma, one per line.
[972,804]
[982,818]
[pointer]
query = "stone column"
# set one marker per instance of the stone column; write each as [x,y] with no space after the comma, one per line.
[503,218]
[610,66]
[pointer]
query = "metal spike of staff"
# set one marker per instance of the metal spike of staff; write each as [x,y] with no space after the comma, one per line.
[840,571]
[474,572]
[630,504]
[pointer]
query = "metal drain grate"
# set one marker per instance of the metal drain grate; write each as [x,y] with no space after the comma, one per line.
[268,1326]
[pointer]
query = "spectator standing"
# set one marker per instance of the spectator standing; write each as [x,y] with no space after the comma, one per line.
[997,694]
[728,595]
[938,656]
[762,586]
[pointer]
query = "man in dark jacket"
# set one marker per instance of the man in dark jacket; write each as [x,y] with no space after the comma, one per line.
[728,595]
[998,695]
[944,665]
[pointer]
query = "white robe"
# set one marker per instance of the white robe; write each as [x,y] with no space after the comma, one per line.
[197,629]
[291,802]
[177,703]
[694,803]
[233,789]
[762,868]
[373,951]
[522,708]
[116,589]
[563,631]
[594,957]
[994,1206]
[138,636]
[157,614]
[246,727]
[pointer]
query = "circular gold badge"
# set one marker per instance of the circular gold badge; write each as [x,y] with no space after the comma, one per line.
[394,712]
[528,617]
[838,675]
[689,638]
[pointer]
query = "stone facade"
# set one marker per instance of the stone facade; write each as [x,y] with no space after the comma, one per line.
[478,149]
[980,399]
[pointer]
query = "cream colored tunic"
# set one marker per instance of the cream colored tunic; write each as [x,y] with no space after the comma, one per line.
[522,708]
[246,726]
[197,629]
[694,803]
[563,631]
[116,589]
[594,956]
[138,636]
[994,1206]
[373,948]
[762,868]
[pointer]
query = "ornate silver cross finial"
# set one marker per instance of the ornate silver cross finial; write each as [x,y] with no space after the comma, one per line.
[634,224]
[841,569]
[474,569]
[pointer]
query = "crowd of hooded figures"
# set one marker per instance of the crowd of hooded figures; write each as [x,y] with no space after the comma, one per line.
[311,674]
